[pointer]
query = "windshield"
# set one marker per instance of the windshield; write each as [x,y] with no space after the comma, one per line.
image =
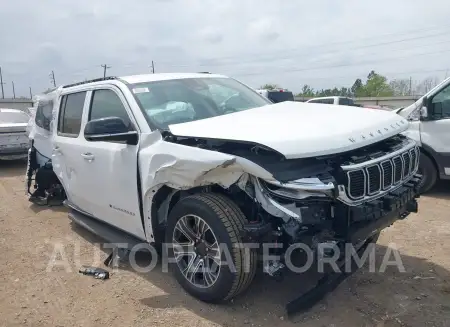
[183,100]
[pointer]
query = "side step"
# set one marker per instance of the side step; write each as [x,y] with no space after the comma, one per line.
[105,231]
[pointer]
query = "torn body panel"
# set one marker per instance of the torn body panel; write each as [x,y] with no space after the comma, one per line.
[181,167]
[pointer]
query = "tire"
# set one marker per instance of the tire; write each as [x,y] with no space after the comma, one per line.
[225,220]
[428,171]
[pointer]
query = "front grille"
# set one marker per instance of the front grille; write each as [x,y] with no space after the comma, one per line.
[370,180]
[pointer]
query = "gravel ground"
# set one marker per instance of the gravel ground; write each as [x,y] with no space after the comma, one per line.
[34,296]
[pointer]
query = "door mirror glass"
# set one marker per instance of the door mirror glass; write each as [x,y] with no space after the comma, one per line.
[109,129]
[107,125]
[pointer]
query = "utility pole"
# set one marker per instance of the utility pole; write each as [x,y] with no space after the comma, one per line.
[105,67]
[14,91]
[410,85]
[1,83]
[31,94]
[153,67]
[52,78]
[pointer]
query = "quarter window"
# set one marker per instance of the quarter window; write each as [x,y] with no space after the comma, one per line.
[106,103]
[71,111]
[44,114]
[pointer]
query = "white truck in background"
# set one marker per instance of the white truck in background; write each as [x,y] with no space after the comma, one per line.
[335,100]
[429,119]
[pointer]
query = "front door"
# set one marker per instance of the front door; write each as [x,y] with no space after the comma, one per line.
[435,132]
[111,167]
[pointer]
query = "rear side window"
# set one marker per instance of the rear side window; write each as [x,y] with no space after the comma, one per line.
[346,102]
[106,103]
[44,114]
[328,101]
[70,114]
[280,96]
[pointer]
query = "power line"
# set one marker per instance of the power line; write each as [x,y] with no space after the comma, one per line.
[305,53]
[308,48]
[343,65]
[105,67]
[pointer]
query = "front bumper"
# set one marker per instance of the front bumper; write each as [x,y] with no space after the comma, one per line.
[364,222]
[357,223]
[14,153]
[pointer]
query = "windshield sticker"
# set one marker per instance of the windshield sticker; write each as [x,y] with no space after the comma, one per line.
[140,90]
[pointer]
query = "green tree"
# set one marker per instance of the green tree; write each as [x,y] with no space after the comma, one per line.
[307,91]
[357,89]
[269,87]
[377,85]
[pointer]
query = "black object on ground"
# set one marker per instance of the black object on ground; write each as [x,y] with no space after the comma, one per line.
[98,273]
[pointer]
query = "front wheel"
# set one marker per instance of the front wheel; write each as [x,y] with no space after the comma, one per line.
[206,257]
[429,173]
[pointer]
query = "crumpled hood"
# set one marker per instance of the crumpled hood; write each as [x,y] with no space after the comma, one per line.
[299,130]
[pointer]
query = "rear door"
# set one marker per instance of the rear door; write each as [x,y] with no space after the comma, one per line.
[68,146]
[110,167]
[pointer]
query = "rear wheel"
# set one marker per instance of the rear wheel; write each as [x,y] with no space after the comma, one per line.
[207,261]
[428,171]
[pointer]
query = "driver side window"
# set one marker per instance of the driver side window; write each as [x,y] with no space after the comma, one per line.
[441,104]
[106,103]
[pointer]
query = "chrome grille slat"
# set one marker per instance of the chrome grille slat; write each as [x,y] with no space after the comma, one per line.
[371,180]
[398,168]
[387,169]
[406,164]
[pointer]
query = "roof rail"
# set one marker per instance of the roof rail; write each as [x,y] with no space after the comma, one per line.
[91,81]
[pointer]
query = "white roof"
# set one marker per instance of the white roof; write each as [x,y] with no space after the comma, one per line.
[132,79]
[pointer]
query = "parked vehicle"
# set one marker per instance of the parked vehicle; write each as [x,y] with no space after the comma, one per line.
[429,119]
[277,95]
[162,158]
[336,100]
[14,141]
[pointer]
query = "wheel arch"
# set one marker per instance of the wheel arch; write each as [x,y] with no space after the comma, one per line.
[161,202]
[430,153]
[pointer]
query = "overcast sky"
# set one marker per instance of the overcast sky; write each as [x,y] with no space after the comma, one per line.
[323,43]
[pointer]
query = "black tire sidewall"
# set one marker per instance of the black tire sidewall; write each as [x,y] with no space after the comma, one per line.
[429,173]
[221,288]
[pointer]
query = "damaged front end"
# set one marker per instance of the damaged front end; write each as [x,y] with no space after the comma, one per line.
[323,202]
[333,198]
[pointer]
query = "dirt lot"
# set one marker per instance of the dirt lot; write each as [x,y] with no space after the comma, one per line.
[31,296]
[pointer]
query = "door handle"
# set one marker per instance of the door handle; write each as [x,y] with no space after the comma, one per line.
[56,149]
[88,156]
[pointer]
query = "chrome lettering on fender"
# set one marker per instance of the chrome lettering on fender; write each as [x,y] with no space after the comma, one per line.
[122,210]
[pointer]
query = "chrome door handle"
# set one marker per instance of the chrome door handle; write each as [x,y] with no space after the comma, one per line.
[88,156]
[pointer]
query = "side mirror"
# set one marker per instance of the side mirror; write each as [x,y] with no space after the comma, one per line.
[110,129]
[423,112]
